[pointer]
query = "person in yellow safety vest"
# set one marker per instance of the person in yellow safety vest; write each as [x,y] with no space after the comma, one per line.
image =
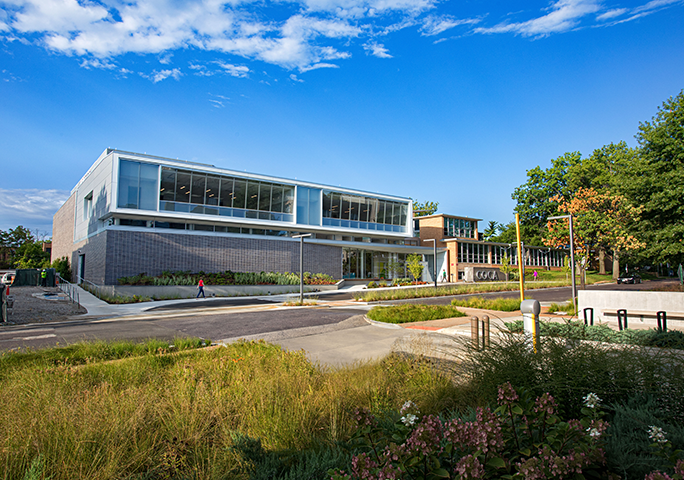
[43,278]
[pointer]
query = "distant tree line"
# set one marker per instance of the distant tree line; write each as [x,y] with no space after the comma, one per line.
[626,202]
[21,248]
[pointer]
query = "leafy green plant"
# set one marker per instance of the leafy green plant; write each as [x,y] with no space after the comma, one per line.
[524,438]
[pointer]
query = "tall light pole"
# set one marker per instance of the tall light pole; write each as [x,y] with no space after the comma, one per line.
[434,263]
[301,265]
[572,259]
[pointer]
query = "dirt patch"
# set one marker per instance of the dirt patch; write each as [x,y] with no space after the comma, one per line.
[41,305]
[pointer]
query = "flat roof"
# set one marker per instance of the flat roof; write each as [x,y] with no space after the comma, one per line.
[449,216]
[220,170]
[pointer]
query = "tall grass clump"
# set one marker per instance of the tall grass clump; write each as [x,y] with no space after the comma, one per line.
[498,304]
[413,313]
[161,412]
[568,372]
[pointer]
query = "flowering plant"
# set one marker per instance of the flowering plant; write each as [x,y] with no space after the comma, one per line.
[522,439]
[664,449]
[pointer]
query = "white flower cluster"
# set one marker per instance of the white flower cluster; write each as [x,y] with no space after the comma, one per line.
[409,419]
[594,432]
[656,434]
[592,400]
[408,406]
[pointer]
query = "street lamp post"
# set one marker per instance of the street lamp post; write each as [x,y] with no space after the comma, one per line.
[301,265]
[434,263]
[572,259]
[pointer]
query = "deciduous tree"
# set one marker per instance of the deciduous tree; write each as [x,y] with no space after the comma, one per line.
[600,219]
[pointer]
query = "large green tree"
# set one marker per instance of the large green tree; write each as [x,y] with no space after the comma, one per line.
[23,248]
[534,204]
[422,209]
[656,182]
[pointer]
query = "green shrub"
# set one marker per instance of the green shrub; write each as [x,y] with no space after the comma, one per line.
[413,313]
[628,448]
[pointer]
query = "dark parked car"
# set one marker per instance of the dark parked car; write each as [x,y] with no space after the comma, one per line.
[629,278]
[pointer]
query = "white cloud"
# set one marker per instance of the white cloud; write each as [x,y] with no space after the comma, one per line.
[238,71]
[316,66]
[564,16]
[294,34]
[98,63]
[294,78]
[377,50]
[30,207]
[616,12]
[158,76]
[434,25]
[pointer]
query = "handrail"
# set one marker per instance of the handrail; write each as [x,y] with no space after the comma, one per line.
[91,287]
[70,289]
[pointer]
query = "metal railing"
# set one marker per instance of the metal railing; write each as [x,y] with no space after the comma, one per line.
[69,289]
[92,288]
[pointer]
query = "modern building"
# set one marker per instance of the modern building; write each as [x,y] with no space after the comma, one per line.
[466,257]
[135,213]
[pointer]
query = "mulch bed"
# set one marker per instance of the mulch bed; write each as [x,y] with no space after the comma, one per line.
[29,308]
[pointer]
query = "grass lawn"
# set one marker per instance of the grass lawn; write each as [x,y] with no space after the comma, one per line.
[413,313]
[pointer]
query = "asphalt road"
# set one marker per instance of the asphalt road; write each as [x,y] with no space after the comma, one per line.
[215,325]
[223,322]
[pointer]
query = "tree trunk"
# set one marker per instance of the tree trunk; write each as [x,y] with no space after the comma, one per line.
[602,261]
[616,265]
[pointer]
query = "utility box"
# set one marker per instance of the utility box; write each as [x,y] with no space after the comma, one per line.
[530,310]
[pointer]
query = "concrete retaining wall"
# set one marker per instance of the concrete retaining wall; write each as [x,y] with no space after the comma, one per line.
[187,291]
[636,301]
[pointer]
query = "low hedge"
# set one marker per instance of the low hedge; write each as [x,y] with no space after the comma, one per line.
[602,333]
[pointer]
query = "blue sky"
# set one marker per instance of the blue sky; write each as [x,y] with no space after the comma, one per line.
[450,101]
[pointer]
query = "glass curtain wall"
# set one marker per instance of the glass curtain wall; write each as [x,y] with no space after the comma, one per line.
[196,192]
[458,227]
[358,263]
[368,213]
[535,257]
[137,185]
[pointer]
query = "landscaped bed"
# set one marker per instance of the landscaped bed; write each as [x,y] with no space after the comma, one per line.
[576,330]
[252,411]
[409,313]
[227,278]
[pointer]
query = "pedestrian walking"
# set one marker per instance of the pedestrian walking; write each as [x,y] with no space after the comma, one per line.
[43,278]
[200,287]
[535,275]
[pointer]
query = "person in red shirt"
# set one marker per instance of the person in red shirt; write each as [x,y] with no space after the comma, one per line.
[200,287]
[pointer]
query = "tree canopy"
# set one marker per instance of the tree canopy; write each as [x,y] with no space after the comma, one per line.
[422,209]
[632,193]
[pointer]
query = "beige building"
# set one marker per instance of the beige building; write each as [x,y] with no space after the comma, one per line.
[463,255]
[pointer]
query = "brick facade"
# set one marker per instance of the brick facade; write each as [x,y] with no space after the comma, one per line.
[63,230]
[131,252]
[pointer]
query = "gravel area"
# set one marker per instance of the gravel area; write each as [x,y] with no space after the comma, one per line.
[31,305]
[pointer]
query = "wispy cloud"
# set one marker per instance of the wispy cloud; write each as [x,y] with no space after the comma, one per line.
[158,76]
[239,71]
[377,50]
[616,12]
[564,15]
[434,25]
[31,208]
